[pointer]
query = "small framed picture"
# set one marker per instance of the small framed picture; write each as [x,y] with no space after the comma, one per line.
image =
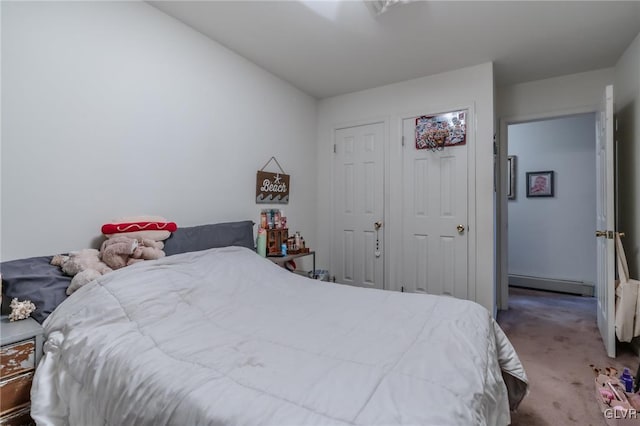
[511,177]
[540,184]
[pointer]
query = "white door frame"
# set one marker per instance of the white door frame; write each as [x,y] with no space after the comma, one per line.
[472,240]
[502,226]
[385,233]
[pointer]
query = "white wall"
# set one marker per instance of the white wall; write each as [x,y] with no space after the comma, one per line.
[627,105]
[554,96]
[550,237]
[468,86]
[114,108]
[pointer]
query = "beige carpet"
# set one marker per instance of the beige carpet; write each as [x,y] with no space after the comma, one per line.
[556,337]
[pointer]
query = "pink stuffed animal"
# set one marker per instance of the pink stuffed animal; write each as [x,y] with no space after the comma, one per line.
[116,251]
[83,265]
[147,250]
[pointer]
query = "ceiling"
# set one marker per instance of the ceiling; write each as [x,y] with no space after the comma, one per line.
[327,48]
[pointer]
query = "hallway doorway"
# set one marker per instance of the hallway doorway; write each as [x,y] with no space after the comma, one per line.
[550,227]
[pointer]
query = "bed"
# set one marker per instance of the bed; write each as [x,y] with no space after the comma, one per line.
[222,336]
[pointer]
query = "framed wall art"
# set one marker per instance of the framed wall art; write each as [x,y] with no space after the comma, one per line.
[435,132]
[540,184]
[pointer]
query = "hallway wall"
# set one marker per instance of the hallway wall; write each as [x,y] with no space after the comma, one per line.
[627,105]
[552,237]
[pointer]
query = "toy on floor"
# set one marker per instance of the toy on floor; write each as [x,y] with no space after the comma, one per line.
[608,371]
[615,402]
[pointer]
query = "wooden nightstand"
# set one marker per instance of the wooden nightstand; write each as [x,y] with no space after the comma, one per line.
[281,260]
[21,348]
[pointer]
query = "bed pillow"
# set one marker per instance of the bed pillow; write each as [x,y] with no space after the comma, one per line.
[204,237]
[36,280]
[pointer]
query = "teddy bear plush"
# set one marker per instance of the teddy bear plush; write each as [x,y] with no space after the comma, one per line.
[83,265]
[82,278]
[78,261]
[116,251]
[147,250]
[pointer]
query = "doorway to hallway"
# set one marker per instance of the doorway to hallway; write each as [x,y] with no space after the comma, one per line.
[551,244]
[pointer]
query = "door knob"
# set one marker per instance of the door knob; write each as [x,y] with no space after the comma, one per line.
[460,229]
[621,234]
[601,233]
[377,225]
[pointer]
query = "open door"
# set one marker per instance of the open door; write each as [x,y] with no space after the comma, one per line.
[605,286]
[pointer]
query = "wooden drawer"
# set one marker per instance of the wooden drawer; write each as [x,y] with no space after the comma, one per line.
[14,392]
[18,418]
[17,358]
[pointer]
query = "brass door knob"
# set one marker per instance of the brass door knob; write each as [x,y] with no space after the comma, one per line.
[621,234]
[601,233]
[460,229]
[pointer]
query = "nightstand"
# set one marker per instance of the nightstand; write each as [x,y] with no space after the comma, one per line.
[281,260]
[20,351]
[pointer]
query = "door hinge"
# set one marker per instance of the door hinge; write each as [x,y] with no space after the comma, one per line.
[403,140]
[616,124]
[335,148]
[607,234]
[401,289]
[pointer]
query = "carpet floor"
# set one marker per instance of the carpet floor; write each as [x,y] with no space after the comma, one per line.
[556,337]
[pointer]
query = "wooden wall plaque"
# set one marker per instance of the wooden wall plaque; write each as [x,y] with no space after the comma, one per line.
[272,188]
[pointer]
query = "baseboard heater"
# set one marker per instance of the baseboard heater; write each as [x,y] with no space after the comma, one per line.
[550,284]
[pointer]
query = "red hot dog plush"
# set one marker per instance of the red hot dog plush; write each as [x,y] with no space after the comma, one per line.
[142,227]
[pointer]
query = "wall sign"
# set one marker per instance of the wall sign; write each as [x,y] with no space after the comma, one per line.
[272,188]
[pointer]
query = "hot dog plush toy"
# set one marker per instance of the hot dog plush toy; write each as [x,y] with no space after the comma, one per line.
[154,228]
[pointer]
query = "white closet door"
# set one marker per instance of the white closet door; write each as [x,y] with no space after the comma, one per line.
[435,218]
[358,248]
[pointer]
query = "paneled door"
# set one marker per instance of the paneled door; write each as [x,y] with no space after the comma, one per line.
[605,218]
[358,182]
[434,209]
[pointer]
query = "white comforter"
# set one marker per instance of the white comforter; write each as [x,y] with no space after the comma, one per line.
[224,337]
